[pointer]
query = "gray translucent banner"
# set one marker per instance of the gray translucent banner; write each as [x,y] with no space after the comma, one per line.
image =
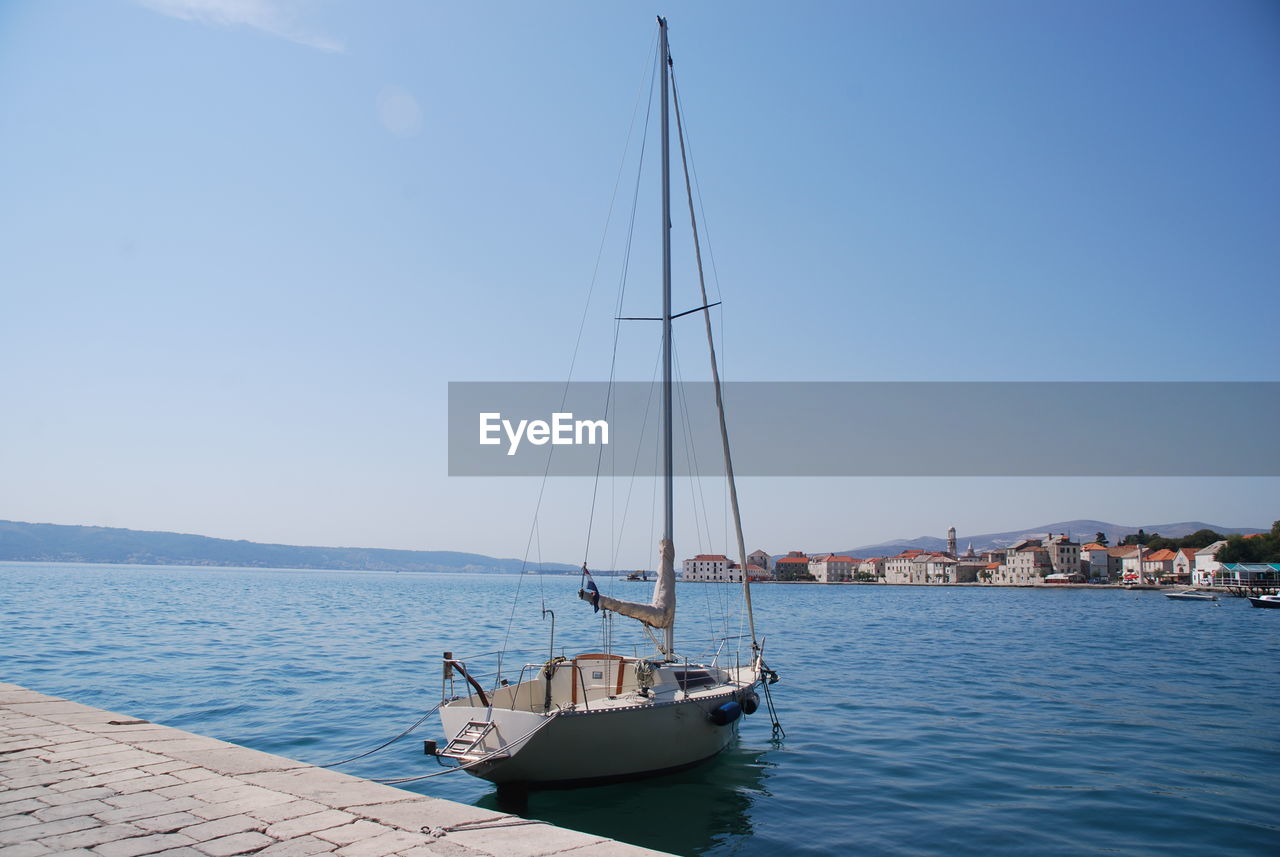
[871,429]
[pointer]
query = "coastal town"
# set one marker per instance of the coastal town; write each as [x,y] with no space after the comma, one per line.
[1048,560]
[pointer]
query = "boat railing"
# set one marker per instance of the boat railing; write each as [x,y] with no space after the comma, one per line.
[489,669]
[737,653]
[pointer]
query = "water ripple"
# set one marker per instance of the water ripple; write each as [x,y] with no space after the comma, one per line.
[919,721]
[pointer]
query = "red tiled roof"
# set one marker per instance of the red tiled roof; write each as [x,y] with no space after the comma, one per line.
[794,559]
[710,557]
[1162,555]
[1093,546]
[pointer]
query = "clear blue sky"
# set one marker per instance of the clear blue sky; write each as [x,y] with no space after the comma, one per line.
[245,245]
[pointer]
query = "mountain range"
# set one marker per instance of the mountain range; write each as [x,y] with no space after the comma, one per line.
[25,542]
[62,543]
[1081,530]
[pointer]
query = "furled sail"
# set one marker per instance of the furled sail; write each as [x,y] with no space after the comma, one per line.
[662,611]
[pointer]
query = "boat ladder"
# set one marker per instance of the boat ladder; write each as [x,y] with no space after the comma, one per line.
[464,745]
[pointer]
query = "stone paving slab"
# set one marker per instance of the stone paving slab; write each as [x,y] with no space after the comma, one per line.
[77,781]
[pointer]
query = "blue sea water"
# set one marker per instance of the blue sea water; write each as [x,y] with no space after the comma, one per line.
[919,721]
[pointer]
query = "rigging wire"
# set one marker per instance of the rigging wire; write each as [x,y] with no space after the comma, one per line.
[695,492]
[542,592]
[715,375]
[635,468]
[617,323]
[692,451]
[695,189]
[767,676]
[687,143]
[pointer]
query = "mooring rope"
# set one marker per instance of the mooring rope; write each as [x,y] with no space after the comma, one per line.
[388,743]
[481,824]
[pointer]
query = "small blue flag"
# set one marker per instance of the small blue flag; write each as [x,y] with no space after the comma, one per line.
[591,587]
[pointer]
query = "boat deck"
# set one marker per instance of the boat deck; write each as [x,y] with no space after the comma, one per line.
[77,780]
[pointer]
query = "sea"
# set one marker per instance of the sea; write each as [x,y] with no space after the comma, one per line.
[917,720]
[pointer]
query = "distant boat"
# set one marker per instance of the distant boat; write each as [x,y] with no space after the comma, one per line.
[1265,600]
[1191,595]
[637,575]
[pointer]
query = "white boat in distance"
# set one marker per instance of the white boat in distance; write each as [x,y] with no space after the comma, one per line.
[602,716]
[1191,595]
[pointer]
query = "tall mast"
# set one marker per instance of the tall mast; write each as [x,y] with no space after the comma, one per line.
[668,467]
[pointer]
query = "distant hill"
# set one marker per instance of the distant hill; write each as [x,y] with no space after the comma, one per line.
[60,543]
[1082,531]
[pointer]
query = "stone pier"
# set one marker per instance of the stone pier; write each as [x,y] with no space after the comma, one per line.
[84,782]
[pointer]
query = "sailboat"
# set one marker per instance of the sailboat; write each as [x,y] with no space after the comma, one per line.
[603,716]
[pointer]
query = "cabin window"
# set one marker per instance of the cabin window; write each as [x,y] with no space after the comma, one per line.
[693,678]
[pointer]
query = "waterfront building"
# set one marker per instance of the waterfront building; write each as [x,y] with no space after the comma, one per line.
[969,565]
[1027,563]
[708,567]
[1131,570]
[1248,575]
[1184,560]
[793,566]
[872,569]
[761,559]
[1206,566]
[1064,554]
[753,571]
[1095,561]
[939,568]
[718,568]
[1158,565]
[994,571]
[1115,561]
[833,568]
[901,568]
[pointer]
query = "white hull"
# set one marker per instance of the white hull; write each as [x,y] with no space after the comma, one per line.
[1191,595]
[592,746]
[617,733]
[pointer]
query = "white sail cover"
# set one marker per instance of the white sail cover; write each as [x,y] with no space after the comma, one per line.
[662,611]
